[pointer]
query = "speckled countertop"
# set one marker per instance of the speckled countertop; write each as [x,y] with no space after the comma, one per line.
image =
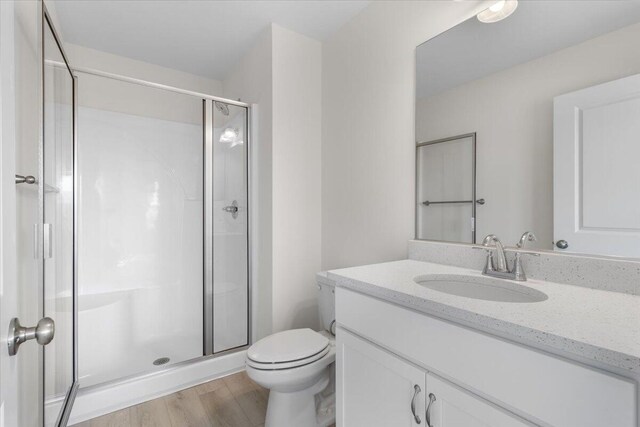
[592,324]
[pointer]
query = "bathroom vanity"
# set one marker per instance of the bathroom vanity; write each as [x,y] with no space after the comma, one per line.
[523,125]
[414,355]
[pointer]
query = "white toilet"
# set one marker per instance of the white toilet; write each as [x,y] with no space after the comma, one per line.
[297,366]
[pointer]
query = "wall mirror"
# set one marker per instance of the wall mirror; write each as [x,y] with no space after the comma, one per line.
[532,123]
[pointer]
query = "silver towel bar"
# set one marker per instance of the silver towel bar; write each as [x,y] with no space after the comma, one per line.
[427,202]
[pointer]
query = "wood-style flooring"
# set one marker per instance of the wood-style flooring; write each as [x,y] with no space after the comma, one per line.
[233,401]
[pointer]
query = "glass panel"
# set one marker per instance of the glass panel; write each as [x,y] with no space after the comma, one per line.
[140,228]
[445,190]
[58,225]
[230,278]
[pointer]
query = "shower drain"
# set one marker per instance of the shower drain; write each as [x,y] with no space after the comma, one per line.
[161,361]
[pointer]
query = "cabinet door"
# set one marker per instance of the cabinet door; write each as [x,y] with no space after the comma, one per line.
[452,406]
[376,388]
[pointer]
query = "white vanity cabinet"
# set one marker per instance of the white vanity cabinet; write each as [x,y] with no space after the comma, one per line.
[452,406]
[378,388]
[385,350]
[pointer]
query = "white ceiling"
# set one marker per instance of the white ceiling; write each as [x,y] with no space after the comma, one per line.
[205,38]
[537,28]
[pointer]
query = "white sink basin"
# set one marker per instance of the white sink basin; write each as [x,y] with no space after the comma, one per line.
[480,287]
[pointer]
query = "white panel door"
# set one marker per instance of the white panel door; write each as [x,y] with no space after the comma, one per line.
[21,273]
[596,174]
[451,406]
[376,388]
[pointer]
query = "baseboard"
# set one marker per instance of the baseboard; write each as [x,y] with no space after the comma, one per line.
[96,401]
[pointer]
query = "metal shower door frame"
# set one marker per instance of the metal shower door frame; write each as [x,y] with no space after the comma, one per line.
[67,405]
[207,111]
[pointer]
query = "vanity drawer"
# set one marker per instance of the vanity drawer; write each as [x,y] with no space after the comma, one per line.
[547,389]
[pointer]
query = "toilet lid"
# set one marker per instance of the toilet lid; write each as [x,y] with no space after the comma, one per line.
[283,366]
[288,346]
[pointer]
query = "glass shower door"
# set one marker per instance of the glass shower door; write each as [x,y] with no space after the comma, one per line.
[58,229]
[230,227]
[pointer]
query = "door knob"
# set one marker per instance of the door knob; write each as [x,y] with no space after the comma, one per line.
[562,244]
[43,333]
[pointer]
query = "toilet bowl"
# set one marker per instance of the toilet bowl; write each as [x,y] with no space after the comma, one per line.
[297,366]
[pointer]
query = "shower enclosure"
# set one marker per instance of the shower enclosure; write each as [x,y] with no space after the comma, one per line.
[163,236]
[125,242]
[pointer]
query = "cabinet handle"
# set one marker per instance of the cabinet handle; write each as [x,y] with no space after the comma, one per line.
[432,398]
[416,392]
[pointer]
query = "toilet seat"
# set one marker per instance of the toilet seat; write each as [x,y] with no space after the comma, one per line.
[279,366]
[287,350]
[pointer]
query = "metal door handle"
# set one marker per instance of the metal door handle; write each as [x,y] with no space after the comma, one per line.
[562,244]
[416,392]
[43,333]
[432,398]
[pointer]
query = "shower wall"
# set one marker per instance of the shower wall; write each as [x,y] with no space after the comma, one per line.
[140,229]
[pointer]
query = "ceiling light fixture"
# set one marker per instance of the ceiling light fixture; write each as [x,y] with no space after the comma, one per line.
[498,11]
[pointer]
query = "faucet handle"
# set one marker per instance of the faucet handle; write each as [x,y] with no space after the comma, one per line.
[518,271]
[527,236]
[488,266]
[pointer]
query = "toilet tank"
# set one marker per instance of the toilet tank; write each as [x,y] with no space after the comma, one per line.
[326,301]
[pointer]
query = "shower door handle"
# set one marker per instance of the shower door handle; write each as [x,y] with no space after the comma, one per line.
[232,209]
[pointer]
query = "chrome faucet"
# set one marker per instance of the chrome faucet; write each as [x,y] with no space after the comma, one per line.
[501,267]
[501,262]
